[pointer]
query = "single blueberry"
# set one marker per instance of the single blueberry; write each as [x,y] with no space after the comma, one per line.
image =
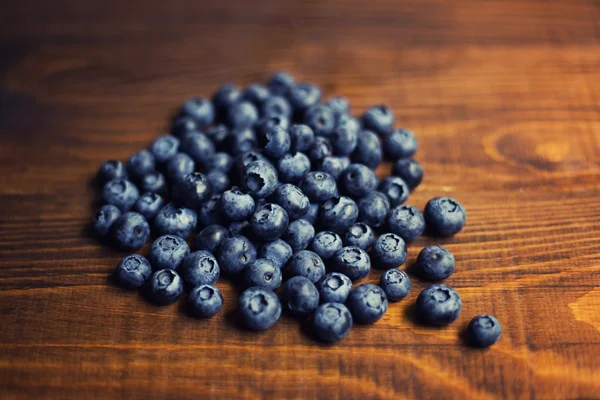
[121,193]
[277,251]
[351,261]
[219,134]
[211,237]
[111,170]
[326,244]
[401,143]
[407,222]
[219,180]
[205,301]
[293,167]
[236,205]
[321,119]
[338,213]
[259,308]
[302,96]
[379,118]
[105,217]
[264,273]
[226,96]
[395,283]
[409,170]
[180,165]
[434,263]
[235,254]
[320,149]
[344,139]
[269,222]
[130,231]
[293,201]
[154,182]
[149,204]
[133,271]
[165,286]
[281,82]
[268,123]
[438,305]
[484,330]
[174,220]
[299,234]
[357,181]
[184,124]
[243,160]
[339,105]
[222,162]
[140,164]
[260,179]
[307,264]
[368,149]
[319,186]
[359,235]
[275,142]
[168,251]
[192,191]
[388,251]
[444,216]
[367,303]
[334,166]
[257,94]
[302,137]
[164,148]
[300,296]
[200,268]
[395,190]
[242,115]
[332,322]
[210,212]
[334,288]
[200,110]
[373,209]
[199,147]
[276,106]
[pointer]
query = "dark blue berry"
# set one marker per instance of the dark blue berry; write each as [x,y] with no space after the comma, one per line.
[264,273]
[184,124]
[319,186]
[226,96]
[347,121]
[243,160]
[240,228]
[444,216]
[168,251]
[344,139]
[219,180]
[121,193]
[302,137]
[332,322]
[260,179]
[321,119]
[269,222]
[149,204]
[334,288]
[164,148]
[130,231]
[140,164]
[299,234]
[353,262]
[395,189]
[154,182]
[438,305]
[293,167]
[257,94]
[277,251]
[388,251]
[401,143]
[219,134]
[302,97]
[300,296]
[133,271]
[105,217]
[175,220]
[358,235]
[277,106]
[235,254]
[307,264]
[334,166]
[373,209]
[293,201]
[275,142]
[338,214]
[165,286]
[200,268]
[379,118]
[368,149]
[326,244]
[111,170]
[200,110]
[205,301]
[367,303]
[179,166]
[222,162]
[339,105]
[211,238]
[236,205]
[484,330]
[312,214]
[395,283]
[267,123]
[434,263]
[357,181]
[281,82]
[199,147]
[320,149]
[406,222]
[210,212]
[259,308]
[192,191]
[242,115]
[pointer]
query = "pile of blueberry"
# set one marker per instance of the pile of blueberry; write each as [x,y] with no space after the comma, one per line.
[279,189]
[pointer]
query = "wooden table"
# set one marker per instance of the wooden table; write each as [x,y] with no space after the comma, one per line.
[504,96]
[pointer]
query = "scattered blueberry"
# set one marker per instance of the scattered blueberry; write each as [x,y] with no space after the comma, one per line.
[368,150]
[379,118]
[438,305]
[263,272]
[269,222]
[205,301]
[321,119]
[388,251]
[352,262]
[164,148]
[359,235]
[444,216]
[149,204]
[140,164]
[242,115]
[302,137]
[259,308]
[373,209]
[434,263]
[222,162]
[199,147]
[121,193]
[332,322]
[175,221]
[179,166]
[484,330]
[300,296]
[260,178]
[277,106]
[409,170]
[210,212]
[236,205]
[257,94]
[226,96]
[235,254]
[281,82]
[293,167]
[299,234]
[168,251]
[401,143]
[320,149]
[334,288]
[105,217]
[165,286]
[154,182]
[319,186]
[303,96]
[184,124]
[395,189]
[219,134]
[357,181]
[307,264]
[406,222]
[200,268]
[211,237]
[367,303]
[111,170]
[339,105]
[130,231]
[219,181]
[338,214]
[277,251]
[293,201]
[344,139]
[326,244]
[240,228]
[334,166]
[200,110]
[133,271]
[395,283]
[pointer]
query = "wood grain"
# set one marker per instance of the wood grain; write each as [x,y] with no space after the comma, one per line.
[503,95]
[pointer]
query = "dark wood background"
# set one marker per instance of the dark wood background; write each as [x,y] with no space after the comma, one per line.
[504,96]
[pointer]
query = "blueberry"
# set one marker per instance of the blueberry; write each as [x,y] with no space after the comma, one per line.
[444,216]
[395,283]
[164,148]
[211,238]
[401,143]
[111,170]
[269,222]
[307,264]
[275,142]
[277,106]
[174,220]
[438,305]
[334,166]
[373,209]
[367,303]
[267,123]
[484,330]
[205,301]
[409,170]
[105,217]
[192,191]
[347,121]
[332,322]
[351,261]
[165,286]
[293,201]
[184,124]
[222,162]
[199,147]
[339,105]
[130,231]
[435,263]
[312,214]
[368,150]
[334,288]
[358,235]
[302,137]
[277,251]
[320,149]
[406,222]
[326,244]
[242,115]
[179,166]
[219,134]
[379,118]
[257,94]
[210,212]
[319,186]
[357,181]
[264,273]
[338,213]
[240,228]
[299,234]
[344,139]
[388,251]
[321,119]
[133,271]
[260,179]
[121,193]
[243,160]
[200,110]
[200,268]
[302,97]
[219,180]
[235,254]
[226,96]
[395,189]
[149,204]
[140,164]
[153,182]
[259,308]
[281,82]
[168,251]
[236,205]
[293,167]
[300,296]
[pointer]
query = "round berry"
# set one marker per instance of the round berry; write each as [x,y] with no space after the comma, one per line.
[438,305]
[293,167]
[302,137]
[211,238]
[312,214]
[319,186]
[219,181]
[275,142]
[241,141]
[236,205]
[210,212]
[334,166]
[267,123]
[222,162]
[111,170]
[168,251]
[174,220]
[199,147]
[133,271]
[339,105]
[326,244]
[149,204]
[293,201]
[235,254]
[269,222]
[154,182]
[219,134]
[264,273]
[200,268]
[281,82]
[121,193]
[259,308]
[379,118]
[406,222]
[165,286]
[307,264]
[200,110]
[320,149]
[242,115]
[434,263]
[140,164]
[334,288]
[300,296]
[302,96]
[409,170]
[352,262]
[344,139]
[395,283]
[243,160]
[130,231]
[338,213]
[401,143]
[205,301]
[277,251]
[276,106]
[240,228]
[321,119]
[367,303]
[368,150]
[373,209]
[299,234]
[105,217]
[257,94]
[359,235]
[484,330]
[357,181]
[332,322]
[388,251]
[444,216]
[180,165]
[164,148]
[260,179]
[395,190]
[225,97]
